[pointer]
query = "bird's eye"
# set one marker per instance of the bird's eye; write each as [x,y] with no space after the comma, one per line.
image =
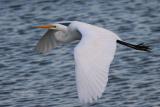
[54,26]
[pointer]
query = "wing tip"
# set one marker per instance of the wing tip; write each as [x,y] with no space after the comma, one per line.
[90,100]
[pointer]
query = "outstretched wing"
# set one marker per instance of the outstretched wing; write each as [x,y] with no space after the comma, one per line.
[93,56]
[48,41]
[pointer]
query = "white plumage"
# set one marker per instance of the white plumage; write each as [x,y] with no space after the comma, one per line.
[93,54]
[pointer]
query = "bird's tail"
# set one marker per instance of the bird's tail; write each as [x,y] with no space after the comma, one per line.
[140,46]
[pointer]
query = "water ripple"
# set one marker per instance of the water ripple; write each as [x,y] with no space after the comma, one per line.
[29,79]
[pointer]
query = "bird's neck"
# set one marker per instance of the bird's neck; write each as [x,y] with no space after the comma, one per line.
[72,35]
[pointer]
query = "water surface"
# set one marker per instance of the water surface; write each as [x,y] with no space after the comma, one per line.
[29,79]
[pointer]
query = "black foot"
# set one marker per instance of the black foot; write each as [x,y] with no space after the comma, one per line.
[143,47]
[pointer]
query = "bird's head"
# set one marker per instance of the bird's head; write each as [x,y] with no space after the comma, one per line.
[56,26]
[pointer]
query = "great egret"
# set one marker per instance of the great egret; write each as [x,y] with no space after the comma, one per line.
[93,54]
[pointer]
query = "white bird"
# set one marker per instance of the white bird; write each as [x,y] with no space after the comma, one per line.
[93,54]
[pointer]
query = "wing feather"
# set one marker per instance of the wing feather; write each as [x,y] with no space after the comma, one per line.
[48,41]
[93,56]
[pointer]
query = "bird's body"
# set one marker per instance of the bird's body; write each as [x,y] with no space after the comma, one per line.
[93,54]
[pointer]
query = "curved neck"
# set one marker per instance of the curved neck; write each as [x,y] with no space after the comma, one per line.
[72,34]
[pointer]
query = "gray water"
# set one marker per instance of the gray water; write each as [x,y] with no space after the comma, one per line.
[29,79]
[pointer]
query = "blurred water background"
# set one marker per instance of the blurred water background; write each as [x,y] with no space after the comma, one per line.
[29,79]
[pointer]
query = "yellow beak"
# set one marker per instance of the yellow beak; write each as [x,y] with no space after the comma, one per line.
[49,26]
